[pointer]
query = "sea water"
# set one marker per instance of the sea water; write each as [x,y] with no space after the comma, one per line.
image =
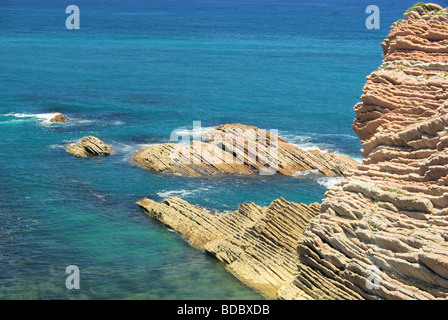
[134,72]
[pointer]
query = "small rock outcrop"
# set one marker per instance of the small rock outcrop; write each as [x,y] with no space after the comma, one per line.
[239,149]
[59,117]
[89,146]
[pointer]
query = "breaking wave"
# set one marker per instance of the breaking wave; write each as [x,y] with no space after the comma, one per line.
[180,193]
[318,178]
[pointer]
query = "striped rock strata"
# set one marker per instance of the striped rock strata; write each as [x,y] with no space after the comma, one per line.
[89,146]
[59,118]
[258,244]
[383,231]
[239,149]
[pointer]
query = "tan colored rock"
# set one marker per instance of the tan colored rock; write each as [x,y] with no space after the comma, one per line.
[89,146]
[59,117]
[258,244]
[239,149]
[413,14]
[434,6]
[391,214]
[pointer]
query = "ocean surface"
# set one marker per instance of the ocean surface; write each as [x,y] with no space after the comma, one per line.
[134,72]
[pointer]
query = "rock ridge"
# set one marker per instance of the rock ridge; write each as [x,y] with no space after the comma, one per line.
[89,146]
[239,149]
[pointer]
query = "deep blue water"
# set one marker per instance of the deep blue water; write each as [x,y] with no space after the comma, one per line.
[134,72]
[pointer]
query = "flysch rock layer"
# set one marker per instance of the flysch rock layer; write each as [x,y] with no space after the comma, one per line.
[258,244]
[383,231]
[89,146]
[239,149]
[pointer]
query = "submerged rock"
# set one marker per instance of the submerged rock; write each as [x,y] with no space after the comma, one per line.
[240,149]
[89,146]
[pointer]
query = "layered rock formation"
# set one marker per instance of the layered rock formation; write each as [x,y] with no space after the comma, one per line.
[89,146]
[239,149]
[388,221]
[59,117]
[258,244]
[382,233]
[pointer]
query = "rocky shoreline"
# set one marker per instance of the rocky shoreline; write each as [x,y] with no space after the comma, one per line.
[258,244]
[382,233]
[391,213]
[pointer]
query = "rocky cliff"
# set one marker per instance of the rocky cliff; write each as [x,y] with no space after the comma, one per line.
[382,233]
[391,214]
[239,149]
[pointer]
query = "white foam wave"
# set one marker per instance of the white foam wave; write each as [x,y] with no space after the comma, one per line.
[196,131]
[129,150]
[349,136]
[328,181]
[180,193]
[318,177]
[306,173]
[306,143]
[45,117]
[80,121]
[64,144]
[56,146]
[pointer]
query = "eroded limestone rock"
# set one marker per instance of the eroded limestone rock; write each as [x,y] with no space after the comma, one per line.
[59,117]
[382,233]
[239,149]
[391,214]
[258,244]
[89,146]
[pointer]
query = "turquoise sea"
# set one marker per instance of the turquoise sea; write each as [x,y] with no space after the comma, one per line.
[134,72]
